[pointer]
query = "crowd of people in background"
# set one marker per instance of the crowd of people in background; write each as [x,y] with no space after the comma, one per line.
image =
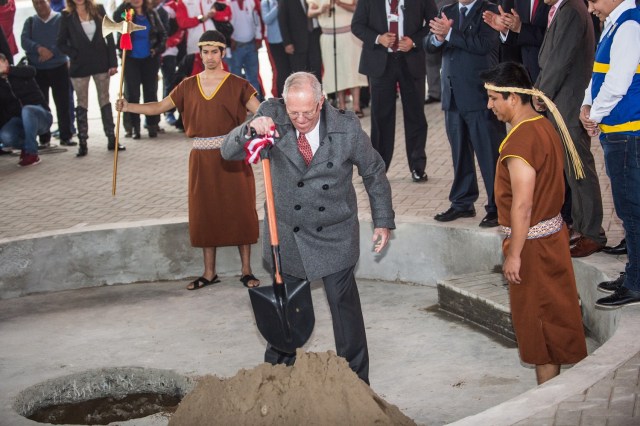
[352,47]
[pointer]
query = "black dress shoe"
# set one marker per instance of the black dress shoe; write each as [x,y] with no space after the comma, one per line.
[621,297]
[617,250]
[431,100]
[419,176]
[490,220]
[453,214]
[611,286]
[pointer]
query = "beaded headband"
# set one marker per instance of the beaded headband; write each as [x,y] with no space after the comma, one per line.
[569,146]
[212,43]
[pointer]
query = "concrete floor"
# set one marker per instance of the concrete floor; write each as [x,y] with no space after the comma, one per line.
[413,348]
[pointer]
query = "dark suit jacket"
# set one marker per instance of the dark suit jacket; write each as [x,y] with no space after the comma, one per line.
[566,59]
[321,235]
[531,34]
[465,55]
[87,57]
[370,20]
[293,24]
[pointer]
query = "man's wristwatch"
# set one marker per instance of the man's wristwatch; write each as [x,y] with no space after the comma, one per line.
[200,18]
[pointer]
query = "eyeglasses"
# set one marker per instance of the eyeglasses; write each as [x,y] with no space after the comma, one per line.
[307,114]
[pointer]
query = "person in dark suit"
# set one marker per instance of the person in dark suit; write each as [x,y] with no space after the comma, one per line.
[300,37]
[523,27]
[313,158]
[391,58]
[566,63]
[469,46]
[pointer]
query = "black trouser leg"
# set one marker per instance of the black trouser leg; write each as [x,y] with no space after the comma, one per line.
[149,79]
[132,81]
[348,324]
[60,84]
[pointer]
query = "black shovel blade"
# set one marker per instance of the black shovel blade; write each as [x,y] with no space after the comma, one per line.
[284,313]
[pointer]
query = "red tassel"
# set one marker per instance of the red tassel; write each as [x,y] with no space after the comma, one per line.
[125,42]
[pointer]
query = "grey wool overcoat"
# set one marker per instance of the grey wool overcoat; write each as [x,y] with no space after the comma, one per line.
[316,206]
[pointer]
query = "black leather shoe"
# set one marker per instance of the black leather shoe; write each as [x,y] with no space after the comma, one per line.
[431,100]
[419,176]
[453,214]
[490,220]
[621,297]
[617,250]
[611,286]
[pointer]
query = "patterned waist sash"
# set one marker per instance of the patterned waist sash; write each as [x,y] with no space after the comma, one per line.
[208,143]
[541,229]
[339,30]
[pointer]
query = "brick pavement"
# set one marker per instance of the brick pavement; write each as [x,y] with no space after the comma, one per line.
[64,191]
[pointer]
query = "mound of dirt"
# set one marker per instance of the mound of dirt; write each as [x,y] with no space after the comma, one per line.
[320,389]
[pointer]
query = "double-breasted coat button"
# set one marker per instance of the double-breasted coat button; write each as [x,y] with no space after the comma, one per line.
[319,228]
[296,229]
[325,186]
[300,184]
[329,165]
[321,208]
[297,207]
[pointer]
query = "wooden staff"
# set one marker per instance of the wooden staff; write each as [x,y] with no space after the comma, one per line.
[125,27]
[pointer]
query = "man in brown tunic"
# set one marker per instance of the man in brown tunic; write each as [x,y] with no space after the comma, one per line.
[529,192]
[222,200]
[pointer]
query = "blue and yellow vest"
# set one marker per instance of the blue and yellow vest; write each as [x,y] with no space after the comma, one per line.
[625,117]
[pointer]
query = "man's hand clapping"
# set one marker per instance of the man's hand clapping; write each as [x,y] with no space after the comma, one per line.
[440,27]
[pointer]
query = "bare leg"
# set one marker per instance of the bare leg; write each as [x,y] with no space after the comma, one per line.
[209,255]
[245,258]
[342,104]
[546,372]
[355,95]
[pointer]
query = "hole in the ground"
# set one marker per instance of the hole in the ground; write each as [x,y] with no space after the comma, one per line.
[103,396]
[102,411]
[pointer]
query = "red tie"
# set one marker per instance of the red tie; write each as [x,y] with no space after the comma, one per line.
[533,9]
[393,26]
[552,12]
[305,148]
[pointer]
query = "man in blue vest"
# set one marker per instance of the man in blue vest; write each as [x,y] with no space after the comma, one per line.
[611,108]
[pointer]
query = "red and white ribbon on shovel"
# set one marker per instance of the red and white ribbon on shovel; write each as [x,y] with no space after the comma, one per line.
[254,146]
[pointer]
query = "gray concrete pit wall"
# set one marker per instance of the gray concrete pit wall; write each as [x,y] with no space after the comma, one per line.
[418,252]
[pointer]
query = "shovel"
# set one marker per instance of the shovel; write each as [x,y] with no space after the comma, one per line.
[283,311]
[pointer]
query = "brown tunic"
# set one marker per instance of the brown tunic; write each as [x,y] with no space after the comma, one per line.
[222,194]
[544,307]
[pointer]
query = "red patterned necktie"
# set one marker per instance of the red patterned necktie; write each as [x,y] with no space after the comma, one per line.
[305,148]
[393,26]
[533,9]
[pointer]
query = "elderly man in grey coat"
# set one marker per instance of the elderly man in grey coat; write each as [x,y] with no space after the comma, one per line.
[315,149]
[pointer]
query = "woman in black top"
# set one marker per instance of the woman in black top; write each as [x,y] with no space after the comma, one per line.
[91,55]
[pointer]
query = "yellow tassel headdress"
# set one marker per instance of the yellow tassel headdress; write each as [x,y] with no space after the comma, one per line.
[569,147]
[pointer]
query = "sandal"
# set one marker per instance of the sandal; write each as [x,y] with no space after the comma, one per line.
[246,279]
[359,113]
[200,282]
